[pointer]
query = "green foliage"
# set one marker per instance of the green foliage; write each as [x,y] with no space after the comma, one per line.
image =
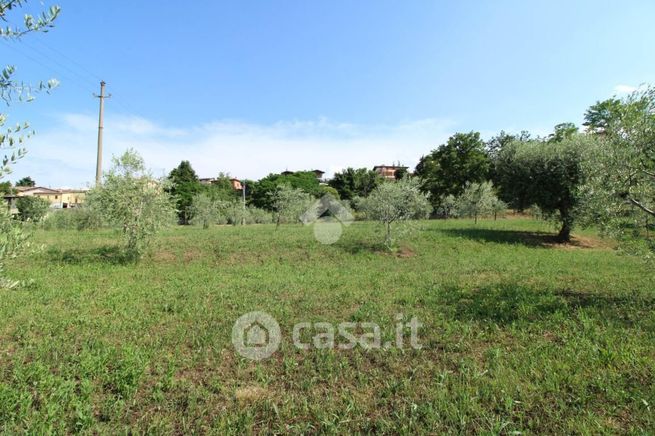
[263,191]
[447,207]
[446,170]
[39,23]
[221,189]
[290,204]
[77,218]
[5,188]
[599,116]
[183,185]
[13,239]
[563,131]
[32,208]
[26,182]
[498,207]
[394,203]
[620,188]
[477,200]
[548,174]
[13,242]
[351,183]
[204,210]
[133,200]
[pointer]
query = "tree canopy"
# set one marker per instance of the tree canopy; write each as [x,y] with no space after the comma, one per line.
[263,190]
[351,183]
[446,170]
[184,185]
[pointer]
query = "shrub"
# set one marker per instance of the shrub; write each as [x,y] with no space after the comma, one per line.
[79,218]
[32,208]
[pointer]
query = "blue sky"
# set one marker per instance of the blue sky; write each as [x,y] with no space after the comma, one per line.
[252,87]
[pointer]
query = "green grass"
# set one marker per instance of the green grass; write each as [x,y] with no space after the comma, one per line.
[519,335]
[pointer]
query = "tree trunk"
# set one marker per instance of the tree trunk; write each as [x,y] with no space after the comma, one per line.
[565,232]
[387,238]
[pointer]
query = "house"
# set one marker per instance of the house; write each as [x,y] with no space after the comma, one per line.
[236,184]
[58,198]
[388,171]
[207,181]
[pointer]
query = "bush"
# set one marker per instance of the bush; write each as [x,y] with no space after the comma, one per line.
[79,218]
[32,208]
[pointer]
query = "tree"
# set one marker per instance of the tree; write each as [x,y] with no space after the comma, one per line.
[620,187]
[394,203]
[5,188]
[498,207]
[600,115]
[476,200]
[184,184]
[446,170]
[204,210]
[563,131]
[290,204]
[26,182]
[132,199]
[351,183]
[32,208]
[548,174]
[263,190]
[221,188]
[13,239]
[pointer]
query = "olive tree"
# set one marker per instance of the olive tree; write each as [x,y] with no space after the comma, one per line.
[290,204]
[132,199]
[13,239]
[620,184]
[547,174]
[204,210]
[395,203]
[476,200]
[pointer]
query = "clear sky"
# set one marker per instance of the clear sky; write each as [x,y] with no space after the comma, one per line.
[251,87]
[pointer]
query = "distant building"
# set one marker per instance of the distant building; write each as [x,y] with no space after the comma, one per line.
[236,184]
[388,171]
[58,198]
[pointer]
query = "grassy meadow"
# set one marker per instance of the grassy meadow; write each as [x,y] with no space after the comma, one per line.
[520,335]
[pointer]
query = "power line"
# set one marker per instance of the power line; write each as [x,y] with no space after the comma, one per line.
[84,77]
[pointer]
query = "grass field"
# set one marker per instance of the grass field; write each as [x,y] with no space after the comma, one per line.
[519,335]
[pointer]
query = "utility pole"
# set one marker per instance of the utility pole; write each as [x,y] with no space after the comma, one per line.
[102,97]
[243,194]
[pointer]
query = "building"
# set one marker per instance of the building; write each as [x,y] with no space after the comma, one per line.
[58,198]
[388,171]
[236,184]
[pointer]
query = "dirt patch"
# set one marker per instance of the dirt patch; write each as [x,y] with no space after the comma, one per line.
[164,257]
[582,242]
[405,252]
[250,394]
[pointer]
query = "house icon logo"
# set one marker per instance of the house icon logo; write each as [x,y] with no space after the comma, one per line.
[256,335]
[328,216]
